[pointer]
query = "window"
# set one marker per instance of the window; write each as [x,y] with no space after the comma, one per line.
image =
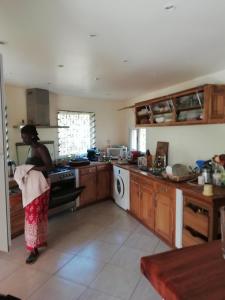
[138,139]
[80,135]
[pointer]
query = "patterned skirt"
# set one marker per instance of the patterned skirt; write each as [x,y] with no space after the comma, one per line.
[36,222]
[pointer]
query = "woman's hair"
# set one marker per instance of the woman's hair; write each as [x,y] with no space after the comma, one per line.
[31,130]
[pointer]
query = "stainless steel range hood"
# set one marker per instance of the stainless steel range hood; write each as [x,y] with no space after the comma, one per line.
[37,107]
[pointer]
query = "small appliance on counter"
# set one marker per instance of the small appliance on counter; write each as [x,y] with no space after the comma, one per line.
[93,154]
[117,152]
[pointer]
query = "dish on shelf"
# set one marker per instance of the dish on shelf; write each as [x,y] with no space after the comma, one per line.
[159,119]
[142,112]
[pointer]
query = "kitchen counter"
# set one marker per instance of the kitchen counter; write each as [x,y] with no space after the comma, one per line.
[186,187]
[193,273]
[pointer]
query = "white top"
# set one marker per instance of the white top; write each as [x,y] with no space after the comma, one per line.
[31,182]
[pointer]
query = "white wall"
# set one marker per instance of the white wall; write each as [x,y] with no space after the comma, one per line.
[109,122]
[186,143]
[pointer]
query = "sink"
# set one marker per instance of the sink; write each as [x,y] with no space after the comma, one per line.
[193,182]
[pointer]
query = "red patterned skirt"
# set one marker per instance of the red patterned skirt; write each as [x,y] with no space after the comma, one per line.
[36,222]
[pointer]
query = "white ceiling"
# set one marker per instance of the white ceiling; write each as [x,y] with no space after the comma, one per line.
[162,47]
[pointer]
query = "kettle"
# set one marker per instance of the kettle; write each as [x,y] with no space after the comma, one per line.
[11,168]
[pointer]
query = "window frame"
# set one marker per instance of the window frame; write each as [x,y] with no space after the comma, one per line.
[92,129]
[138,139]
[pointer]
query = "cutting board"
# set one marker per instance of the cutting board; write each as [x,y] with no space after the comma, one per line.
[162,149]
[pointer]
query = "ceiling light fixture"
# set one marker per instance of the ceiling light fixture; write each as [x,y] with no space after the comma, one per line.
[169,7]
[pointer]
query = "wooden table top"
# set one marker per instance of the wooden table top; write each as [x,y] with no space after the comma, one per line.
[192,273]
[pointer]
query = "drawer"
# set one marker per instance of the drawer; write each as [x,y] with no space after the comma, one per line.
[103,167]
[197,221]
[88,170]
[190,240]
[142,179]
[165,188]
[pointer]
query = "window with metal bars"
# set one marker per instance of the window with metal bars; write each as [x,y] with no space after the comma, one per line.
[80,134]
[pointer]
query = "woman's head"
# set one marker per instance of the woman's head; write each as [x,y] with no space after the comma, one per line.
[29,134]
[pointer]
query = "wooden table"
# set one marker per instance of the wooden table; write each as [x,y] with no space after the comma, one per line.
[192,273]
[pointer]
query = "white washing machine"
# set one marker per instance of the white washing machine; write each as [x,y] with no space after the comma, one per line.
[121,187]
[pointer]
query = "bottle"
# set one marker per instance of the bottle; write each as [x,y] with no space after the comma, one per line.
[10,168]
[149,159]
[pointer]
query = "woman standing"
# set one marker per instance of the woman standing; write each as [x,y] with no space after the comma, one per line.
[36,212]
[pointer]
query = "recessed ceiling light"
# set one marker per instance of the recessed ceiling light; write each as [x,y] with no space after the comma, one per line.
[3,43]
[92,35]
[169,7]
[60,66]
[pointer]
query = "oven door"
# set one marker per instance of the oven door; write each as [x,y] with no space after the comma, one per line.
[63,192]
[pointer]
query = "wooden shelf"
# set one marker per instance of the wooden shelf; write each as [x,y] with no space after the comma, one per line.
[210,107]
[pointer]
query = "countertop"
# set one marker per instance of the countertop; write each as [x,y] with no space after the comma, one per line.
[192,273]
[188,188]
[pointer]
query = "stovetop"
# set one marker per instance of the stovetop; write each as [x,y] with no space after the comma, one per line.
[61,173]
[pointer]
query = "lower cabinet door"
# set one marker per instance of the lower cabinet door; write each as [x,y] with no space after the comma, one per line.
[89,193]
[103,184]
[147,209]
[135,198]
[164,217]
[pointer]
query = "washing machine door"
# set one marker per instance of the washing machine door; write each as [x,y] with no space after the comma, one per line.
[119,187]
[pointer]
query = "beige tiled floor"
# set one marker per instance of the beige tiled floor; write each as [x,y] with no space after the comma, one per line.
[93,254]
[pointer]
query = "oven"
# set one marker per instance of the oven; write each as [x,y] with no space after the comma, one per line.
[63,188]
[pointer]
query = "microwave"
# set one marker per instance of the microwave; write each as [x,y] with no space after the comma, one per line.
[116,153]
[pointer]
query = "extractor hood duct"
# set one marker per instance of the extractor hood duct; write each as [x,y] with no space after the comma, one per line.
[37,107]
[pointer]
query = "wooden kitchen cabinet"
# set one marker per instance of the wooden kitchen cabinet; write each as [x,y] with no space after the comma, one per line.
[142,199]
[97,182]
[200,105]
[197,216]
[135,196]
[165,199]
[216,103]
[104,175]
[87,178]
[16,214]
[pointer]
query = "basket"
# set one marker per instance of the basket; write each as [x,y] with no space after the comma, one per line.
[179,178]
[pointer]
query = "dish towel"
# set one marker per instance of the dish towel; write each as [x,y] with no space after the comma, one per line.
[32,183]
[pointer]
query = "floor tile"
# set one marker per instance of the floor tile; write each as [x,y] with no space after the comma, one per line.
[114,236]
[81,270]
[99,250]
[7,268]
[23,282]
[51,261]
[145,291]
[142,242]
[128,258]
[116,281]
[58,289]
[91,294]
[161,247]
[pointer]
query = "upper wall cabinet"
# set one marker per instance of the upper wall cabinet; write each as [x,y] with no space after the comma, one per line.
[200,105]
